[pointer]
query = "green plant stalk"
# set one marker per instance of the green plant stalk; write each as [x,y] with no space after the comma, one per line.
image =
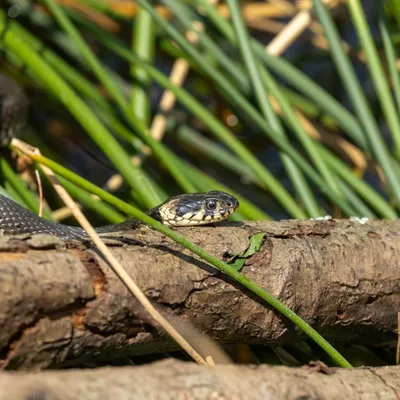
[217,263]
[227,137]
[358,204]
[299,182]
[137,124]
[308,143]
[204,183]
[117,127]
[395,37]
[121,131]
[268,180]
[74,78]
[336,165]
[226,87]
[342,117]
[332,160]
[390,53]
[88,90]
[186,16]
[30,200]
[377,73]
[234,72]
[88,55]
[307,107]
[214,151]
[82,113]
[88,201]
[255,77]
[143,46]
[301,186]
[293,76]
[123,52]
[201,181]
[358,99]
[209,120]
[105,7]
[296,177]
[359,186]
[85,88]
[146,194]
[169,47]
[254,71]
[132,58]
[10,192]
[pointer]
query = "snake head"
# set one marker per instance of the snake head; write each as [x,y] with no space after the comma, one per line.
[196,208]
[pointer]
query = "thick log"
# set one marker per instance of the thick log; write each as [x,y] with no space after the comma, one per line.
[61,305]
[177,380]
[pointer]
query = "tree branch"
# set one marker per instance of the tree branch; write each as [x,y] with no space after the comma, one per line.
[61,305]
[177,380]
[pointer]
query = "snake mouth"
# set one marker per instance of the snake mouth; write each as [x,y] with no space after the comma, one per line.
[199,218]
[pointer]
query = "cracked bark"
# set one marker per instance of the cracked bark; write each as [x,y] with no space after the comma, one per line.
[177,380]
[61,305]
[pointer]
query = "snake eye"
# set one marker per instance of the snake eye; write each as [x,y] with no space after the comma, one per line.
[211,204]
[229,204]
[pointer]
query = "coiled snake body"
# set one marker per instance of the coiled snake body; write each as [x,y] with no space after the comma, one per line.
[182,210]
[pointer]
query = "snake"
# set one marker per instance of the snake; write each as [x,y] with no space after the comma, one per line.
[187,209]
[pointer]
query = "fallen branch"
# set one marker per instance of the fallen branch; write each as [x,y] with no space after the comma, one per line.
[61,305]
[177,380]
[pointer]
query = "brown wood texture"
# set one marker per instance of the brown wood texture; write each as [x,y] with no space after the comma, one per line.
[61,305]
[172,380]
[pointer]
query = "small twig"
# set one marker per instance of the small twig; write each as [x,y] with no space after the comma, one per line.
[113,262]
[210,361]
[40,189]
[289,34]
[91,14]
[398,340]
[61,213]
[260,10]
[266,25]
[293,29]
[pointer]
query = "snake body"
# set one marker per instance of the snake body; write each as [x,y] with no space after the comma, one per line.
[182,210]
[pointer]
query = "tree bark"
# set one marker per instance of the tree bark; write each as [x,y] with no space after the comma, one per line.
[177,380]
[61,305]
